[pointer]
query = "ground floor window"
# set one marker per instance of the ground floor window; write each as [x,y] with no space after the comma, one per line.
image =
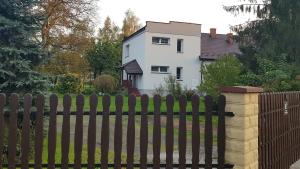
[179,73]
[159,69]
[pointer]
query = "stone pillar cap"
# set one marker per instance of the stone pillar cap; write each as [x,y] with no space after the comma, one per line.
[241,89]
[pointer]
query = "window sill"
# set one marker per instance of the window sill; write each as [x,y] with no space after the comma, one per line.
[161,44]
[180,52]
[180,80]
[161,72]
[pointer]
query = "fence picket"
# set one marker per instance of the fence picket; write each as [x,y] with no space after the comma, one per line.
[182,132]
[78,131]
[12,137]
[2,105]
[170,132]
[105,132]
[144,132]
[208,132]
[25,141]
[195,132]
[65,139]
[40,102]
[156,132]
[131,132]
[118,132]
[221,132]
[92,131]
[52,132]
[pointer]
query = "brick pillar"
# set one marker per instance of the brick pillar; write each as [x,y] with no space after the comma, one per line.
[242,129]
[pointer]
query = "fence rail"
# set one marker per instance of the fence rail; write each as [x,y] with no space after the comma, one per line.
[91,140]
[279,129]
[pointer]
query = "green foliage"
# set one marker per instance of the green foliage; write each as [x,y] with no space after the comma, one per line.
[105,57]
[105,84]
[69,84]
[189,93]
[19,49]
[173,86]
[160,90]
[223,72]
[272,75]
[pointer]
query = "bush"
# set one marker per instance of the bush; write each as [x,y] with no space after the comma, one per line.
[88,90]
[189,93]
[160,90]
[105,84]
[69,84]
[224,72]
[173,87]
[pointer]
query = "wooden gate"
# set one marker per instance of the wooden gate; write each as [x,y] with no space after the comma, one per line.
[38,115]
[279,130]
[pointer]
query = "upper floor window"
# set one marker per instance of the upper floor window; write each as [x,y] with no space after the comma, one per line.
[160,40]
[179,45]
[160,69]
[127,50]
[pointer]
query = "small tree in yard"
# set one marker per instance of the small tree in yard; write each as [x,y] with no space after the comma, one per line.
[224,72]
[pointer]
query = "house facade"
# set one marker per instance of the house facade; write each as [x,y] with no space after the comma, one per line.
[159,50]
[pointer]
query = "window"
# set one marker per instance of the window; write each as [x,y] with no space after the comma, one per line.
[160,40]
[127,51]
[179,73]
[179,45]
[160,69]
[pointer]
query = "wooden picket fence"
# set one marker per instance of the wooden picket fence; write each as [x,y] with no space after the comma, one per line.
[14,109]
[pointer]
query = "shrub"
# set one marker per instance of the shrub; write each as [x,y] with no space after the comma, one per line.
[160,90]
[224,72]
[189,93]
[105,84]
[173,87]
[88,90]
[69,84]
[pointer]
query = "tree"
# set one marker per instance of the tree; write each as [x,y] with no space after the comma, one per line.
[130,23]
[275,32]
[69,54]
[63,15]
[109,32]
[272,40]
[224,72]
[105,55]
[19,49]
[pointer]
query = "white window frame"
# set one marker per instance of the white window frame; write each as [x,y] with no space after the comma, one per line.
[159,69]
[160,40]
[127,49]
[179,79]
[181,40]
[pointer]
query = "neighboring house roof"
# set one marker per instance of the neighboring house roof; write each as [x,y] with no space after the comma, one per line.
[214,48]
[132,67]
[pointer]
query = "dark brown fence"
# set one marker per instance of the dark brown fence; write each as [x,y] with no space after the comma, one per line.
[279,130]
[106,113]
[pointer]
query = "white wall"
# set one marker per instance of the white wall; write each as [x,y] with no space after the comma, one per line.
[136,51]
[166,55]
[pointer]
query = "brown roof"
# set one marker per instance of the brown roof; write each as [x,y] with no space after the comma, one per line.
[132,67]
[214,48]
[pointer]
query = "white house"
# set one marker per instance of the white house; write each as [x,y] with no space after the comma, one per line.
[158,50]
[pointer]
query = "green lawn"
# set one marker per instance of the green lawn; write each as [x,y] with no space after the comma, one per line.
[125,105]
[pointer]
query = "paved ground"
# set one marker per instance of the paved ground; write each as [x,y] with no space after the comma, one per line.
[137,147]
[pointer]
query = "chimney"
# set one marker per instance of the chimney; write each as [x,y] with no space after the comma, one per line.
[229,38]
[213,32]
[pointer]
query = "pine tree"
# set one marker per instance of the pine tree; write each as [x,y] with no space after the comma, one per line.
[20,51]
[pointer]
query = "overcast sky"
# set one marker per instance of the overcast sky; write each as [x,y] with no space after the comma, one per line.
[209,13]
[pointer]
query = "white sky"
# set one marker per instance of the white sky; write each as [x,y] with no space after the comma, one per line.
[209,13]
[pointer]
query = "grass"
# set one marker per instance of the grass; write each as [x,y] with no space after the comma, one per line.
[125,104]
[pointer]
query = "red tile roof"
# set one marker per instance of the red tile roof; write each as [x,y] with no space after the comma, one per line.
[214,48]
